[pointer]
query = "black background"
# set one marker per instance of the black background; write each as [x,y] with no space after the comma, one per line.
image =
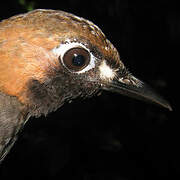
[109,136]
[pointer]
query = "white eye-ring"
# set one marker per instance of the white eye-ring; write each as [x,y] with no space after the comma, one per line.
[75,57]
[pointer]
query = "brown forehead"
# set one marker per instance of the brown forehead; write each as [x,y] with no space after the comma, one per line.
[57,26]
[56,22]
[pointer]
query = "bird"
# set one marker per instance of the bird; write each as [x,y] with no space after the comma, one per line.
[50,57]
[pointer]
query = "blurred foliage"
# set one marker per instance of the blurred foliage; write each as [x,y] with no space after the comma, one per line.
[28,5]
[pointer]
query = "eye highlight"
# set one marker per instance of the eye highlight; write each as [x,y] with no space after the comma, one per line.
[76,59]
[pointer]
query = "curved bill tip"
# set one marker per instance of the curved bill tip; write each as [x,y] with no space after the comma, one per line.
[169,107]
[135,88]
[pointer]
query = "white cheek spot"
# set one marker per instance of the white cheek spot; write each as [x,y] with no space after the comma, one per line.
[106,73]
[63,48]
[106,48]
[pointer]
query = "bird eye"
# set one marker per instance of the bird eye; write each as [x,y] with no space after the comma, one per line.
[76,59]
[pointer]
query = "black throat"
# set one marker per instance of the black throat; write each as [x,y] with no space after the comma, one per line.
[54,92]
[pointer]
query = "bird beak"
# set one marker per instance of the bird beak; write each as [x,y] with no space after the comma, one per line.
[133,87]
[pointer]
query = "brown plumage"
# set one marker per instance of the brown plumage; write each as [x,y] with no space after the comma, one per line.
[48,57]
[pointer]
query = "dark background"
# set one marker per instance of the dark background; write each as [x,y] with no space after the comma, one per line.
[109,136]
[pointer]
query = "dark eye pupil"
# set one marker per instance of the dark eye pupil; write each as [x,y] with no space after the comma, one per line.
[78,60]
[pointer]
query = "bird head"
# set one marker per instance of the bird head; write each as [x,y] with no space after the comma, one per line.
[50,57]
